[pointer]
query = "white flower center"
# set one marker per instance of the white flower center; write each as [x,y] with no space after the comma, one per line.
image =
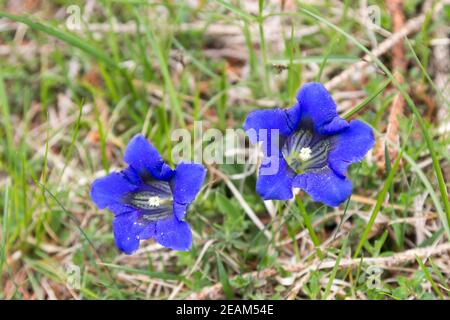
[305,154]
[154,201]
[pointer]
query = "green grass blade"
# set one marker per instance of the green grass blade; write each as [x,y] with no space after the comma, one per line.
[367,100]
[5,113]
[429,278]
[309,226]
[64,36]
[4,230]
[164,67]
[73,140]
[325,58]
[236,10]
[424,71]
[335,269]
[202,67]
[379,203]
[223,277]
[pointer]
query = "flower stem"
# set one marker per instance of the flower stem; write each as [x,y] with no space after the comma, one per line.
[308,224]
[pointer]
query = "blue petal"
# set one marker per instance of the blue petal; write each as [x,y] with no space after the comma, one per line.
[132,176]
[267,119]
[129,229]
[315,103]
[141,155]
[294,116]
[187,181]
[148,232]
[119,208]
[260,126]
[108,191]
[324,186]
[275,184]
[350,146]
[180,210]
[174,234]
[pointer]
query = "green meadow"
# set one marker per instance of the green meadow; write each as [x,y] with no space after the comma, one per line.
[78,79]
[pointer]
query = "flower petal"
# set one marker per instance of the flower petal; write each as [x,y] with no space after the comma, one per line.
[148,232]
[180,210]
[119,208]
[315,103]
[174,234]
[108,190]
[129,229]
[350,146]
[187,181]
[324,186]
[142,155]
[268,126]
[267,119]
[275,179]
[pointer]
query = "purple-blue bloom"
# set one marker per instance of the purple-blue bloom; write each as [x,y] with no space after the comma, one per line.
[313,150]
[149,199]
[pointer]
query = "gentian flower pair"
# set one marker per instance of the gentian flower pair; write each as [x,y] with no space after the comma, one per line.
[149,199]
[310,144]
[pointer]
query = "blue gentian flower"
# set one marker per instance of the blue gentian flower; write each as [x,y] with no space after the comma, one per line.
[313,148]
[148,198]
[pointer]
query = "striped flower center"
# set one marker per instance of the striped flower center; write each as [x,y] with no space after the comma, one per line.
[154,200]
[306,151]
